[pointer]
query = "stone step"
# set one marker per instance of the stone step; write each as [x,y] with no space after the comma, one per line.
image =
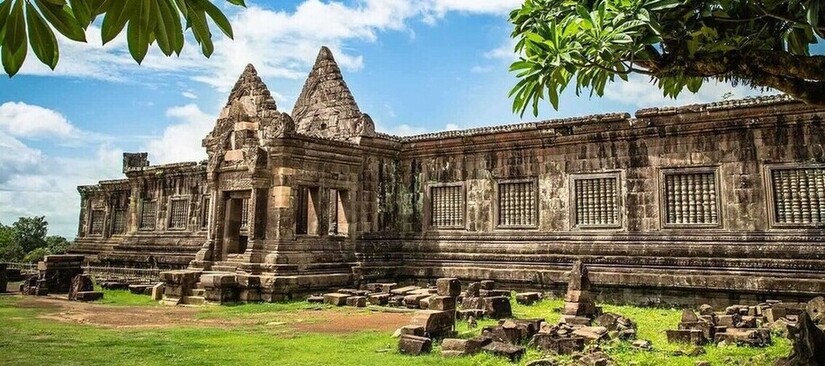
[224,268]
[198,291]
[193,300]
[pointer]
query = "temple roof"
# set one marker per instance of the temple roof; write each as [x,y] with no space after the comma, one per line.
[250,84]
[326,107]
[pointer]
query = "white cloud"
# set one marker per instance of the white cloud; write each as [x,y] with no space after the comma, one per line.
[182,141]
[451,127]
[189,95]
[34,183]
[25,120]
[640,92]
[281,44]
[481,69]
[505,52]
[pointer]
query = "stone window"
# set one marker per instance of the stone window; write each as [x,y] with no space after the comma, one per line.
[306,220]
[691,197]
[119,221]
[148,215]
[517,203]
[245,214]
[204,219]
[338,218]
[798,196]
[179,213]
[447,206]
[595,201]
[96,222]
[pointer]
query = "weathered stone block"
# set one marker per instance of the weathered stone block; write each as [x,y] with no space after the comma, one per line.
[448,287]
[80,283]
[556,344]
[414,345]
[404,290]
[379,299]
[497,307]
[487,285]
[773,314]
[461,347]
[511,352]
[218,280]
[415,330]
[336,299]
[357,301]
[689,336]
[89,296]
[748,337]
[446,303]
[157,291]
[528,298]
[576,320]
[591,334]
[436,323]
[138,289]
[414,301]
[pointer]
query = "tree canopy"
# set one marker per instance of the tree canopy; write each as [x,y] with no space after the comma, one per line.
[25,23]
[27,240]
[678,44]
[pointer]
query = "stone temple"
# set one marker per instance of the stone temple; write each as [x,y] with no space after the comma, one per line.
[716,202]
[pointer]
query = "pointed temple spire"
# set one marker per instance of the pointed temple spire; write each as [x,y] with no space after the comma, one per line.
[326,107]
[250,84]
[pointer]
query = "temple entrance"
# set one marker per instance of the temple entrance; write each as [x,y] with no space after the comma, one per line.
[236,222]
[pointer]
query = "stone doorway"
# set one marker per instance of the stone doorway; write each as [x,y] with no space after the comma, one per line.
[236,223]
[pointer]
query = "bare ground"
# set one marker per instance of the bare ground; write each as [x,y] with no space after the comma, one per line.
[316,321]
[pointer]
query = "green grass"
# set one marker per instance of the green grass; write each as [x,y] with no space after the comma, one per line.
[124,298]
[28,340]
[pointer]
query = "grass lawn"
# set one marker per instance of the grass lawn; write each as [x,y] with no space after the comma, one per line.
[269,334]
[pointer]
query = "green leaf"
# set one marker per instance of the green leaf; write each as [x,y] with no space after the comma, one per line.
[117,14]
[82,10]
[216,15]
[200,29]
[168,23]
[5,8]
[15,28]
[139,32]
[63,20]
[41,37]
[237,2]
[13,59]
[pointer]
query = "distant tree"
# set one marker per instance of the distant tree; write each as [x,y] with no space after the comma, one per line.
[678,44]
[10,251]
[30,232]
[57,244]
[36,255]
[30,22]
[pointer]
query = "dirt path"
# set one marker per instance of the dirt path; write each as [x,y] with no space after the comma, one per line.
[318,321]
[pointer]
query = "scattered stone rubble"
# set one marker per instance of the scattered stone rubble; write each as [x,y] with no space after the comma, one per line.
[738,324]
[806,333]
[61,274]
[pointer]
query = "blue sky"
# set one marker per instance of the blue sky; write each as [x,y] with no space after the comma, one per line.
[414,66]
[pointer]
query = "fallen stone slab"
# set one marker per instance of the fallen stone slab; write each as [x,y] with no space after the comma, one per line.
[157,291]
[462,347]
[89,296]
[687,336]
[436,323]
[114,285]
[357,301]
[498,307]
[379,299]
[80,283]
[557,344]
[511,352]
[414,301]
[528,298]
[404,290]
[747,337]
[414,345]
[591,334]
[445,303]
[336,299]
[139,289]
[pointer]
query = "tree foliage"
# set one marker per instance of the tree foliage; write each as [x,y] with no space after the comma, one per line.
[25,23]
[26,240]
[678,44]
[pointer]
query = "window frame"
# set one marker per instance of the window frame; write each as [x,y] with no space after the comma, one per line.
[114,216]
[770,205]
[497,203]
[102,222]
[430,211]
[662,186]
[140,225]
[170,212]
[205,212]
[617,175]
[313,192]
